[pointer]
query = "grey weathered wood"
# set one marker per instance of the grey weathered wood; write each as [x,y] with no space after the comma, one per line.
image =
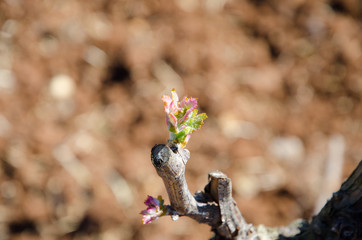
[340,218]
[232,222]
[215,206]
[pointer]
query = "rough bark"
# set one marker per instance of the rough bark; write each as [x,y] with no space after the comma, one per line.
[340,218]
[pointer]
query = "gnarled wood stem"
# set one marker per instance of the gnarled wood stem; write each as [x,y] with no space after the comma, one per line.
[340,218]
[214,206]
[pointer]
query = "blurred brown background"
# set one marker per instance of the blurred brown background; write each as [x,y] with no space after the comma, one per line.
[80,109]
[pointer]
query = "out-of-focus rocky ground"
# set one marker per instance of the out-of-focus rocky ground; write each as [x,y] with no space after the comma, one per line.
[80,109]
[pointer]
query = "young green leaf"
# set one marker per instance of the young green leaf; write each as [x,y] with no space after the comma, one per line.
[181,117]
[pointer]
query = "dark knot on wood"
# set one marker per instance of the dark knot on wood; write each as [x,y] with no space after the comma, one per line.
[159,155]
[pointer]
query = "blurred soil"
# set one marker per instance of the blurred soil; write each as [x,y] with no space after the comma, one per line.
[80,109]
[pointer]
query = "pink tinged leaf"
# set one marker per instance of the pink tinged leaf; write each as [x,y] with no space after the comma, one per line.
[187,114]
[150,214]
[174,108]
[181,117]
[190,103]
[153,211]
[152,202]
[149,218]
[166,101]
[170,105]
[170,124]
[174,95]
[187,139]
[149,211]
[172,119]
[146,219]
